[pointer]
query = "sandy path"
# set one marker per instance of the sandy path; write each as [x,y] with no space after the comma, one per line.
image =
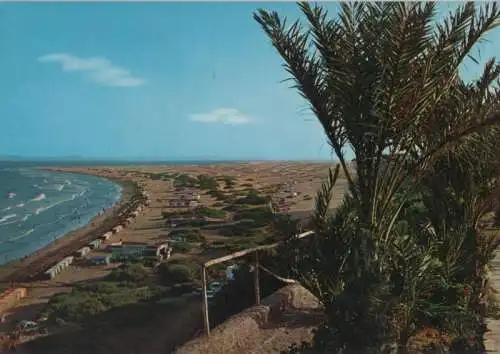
[492,338]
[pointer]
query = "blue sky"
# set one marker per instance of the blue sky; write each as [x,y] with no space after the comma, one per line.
[152,81]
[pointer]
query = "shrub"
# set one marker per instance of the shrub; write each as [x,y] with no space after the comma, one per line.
[176,273]
[217,194]
[252,197]
[185,180]
[235,207]
[193,236]
[91,299]
[261,216]
[181,247]
[132,272]
[207,182]
[242,229]
[209,212]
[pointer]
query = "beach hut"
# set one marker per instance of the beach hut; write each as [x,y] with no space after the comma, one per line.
[95,243]
[82,251]
[107,235]
[50,273]
[117,229]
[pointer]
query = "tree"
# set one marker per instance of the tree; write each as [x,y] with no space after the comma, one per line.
[378,78]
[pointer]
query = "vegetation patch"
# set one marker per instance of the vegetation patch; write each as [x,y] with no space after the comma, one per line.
[178,272]
[261,216]
[122,287]
[182,247]
[209,212]
[207,182]
[185,181]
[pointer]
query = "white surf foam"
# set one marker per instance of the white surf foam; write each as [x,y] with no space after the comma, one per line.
[7,217]
[39,197]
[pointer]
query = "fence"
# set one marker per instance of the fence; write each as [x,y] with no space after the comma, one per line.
[257,268]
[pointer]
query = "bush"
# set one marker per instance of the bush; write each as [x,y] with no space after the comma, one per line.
[185,180]
[176,273]
[207,182]
[194,236]
[217,194]
[181,247]
[252,197]
[209,212]
[235,207]
[91,299]
[261,216]
[242,229]
[131,272]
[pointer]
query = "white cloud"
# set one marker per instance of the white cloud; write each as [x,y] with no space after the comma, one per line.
[99,70]
[223,116]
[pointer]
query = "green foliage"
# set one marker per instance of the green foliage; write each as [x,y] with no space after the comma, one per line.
[129,272]
[161,176]
[207,182]
[252,197]
[181,272]
[185,181]
[241,229]
[91,299]
[209,212]
[384,80]
[181,247]
[189,235]
[218,195]
[261,216]
[230,181]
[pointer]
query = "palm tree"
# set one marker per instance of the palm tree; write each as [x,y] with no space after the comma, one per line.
[378,78]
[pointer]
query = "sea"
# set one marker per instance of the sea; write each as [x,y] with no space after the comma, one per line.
[38,206]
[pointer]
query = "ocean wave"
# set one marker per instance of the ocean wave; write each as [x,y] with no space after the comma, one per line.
[25,217]
[20,205]
[60,187]
[67,181]
[30,231]
[7,217]
[42,209]
[38,198]
[6,209]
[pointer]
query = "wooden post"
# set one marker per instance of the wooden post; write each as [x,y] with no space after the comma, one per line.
[206,322]
[256,278]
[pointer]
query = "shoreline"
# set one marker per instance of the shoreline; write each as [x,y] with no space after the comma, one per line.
[30,266]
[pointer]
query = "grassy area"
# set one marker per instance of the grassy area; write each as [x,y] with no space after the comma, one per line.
[209,212]
[261,216]
[124,286]
[207,182]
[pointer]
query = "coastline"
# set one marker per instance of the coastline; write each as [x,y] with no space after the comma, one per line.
[23,270]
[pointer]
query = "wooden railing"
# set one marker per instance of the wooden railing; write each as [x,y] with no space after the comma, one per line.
[257,268]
